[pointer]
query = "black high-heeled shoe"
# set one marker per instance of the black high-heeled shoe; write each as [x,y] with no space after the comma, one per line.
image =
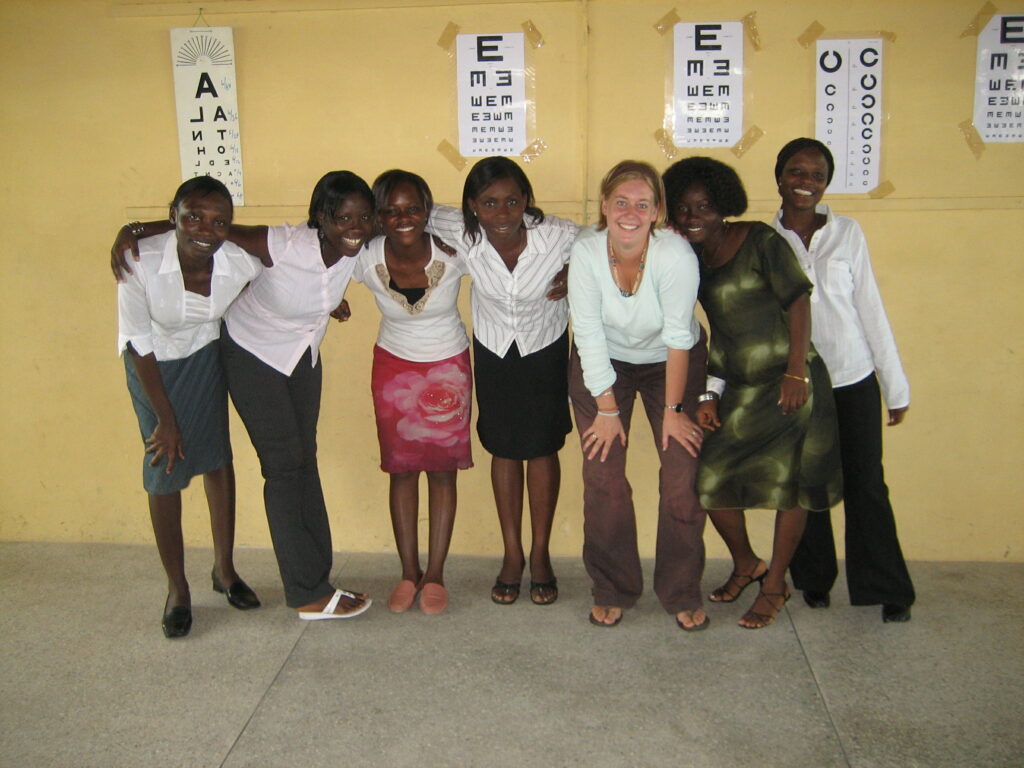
[177,621]
[239,594]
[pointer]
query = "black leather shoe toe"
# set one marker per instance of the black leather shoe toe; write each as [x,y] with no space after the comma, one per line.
[817,599]
[177,621]
[893,612]
[239,594]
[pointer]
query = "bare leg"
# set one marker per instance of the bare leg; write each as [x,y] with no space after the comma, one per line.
[165,513]
[220,497]
[731,525]
[442,497]
[543,481]
[404,500]
[507,482]
[789,527]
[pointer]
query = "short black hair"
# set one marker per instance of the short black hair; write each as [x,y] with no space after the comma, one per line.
[202,186]
[331,190]
[723,185]
[481,176]
[799,145]
[385,184]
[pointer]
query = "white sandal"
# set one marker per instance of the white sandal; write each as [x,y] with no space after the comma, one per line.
[328,610]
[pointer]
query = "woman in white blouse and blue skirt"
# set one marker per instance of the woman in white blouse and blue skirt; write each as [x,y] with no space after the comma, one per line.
[516,256]
[169,312]
[632,290]
[851,332]
[270,347]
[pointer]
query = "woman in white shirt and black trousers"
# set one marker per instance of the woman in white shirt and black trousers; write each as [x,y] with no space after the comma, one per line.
[169,311]
[851,332]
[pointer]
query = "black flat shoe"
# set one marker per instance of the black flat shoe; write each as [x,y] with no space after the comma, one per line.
[177,621]
[893,612]
[239,594]
[817,599]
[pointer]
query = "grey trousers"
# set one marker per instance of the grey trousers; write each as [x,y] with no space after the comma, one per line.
[280,413]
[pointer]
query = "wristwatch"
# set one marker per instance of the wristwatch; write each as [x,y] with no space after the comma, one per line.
[678,407]
[707,396]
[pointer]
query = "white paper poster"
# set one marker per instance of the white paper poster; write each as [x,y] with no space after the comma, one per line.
[999,83]
[204,89]
[491,93]
[848,111]
[707,84]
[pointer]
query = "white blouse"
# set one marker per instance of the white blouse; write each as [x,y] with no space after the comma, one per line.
[849,326]
[513,306]
[156,314]
[429,330]
[287,308]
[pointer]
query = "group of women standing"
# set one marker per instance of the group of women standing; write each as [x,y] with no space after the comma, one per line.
[761,433]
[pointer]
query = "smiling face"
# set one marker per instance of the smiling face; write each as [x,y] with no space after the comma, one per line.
[631,212]
[695,216]
[349,226]
[201,222]
[403,217]
[803,180]
[499,209]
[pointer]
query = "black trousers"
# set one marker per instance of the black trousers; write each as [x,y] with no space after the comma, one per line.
[280,413]
[875,569]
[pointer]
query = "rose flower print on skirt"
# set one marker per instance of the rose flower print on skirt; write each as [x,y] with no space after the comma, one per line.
[423,412]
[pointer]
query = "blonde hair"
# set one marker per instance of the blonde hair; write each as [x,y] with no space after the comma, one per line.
[630,170]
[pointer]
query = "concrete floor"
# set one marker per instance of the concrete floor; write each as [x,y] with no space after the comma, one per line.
[89,680]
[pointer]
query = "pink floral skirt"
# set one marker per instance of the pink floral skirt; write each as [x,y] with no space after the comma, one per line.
[423,412]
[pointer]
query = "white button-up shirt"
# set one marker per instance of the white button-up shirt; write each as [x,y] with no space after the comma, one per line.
[287,308]
[849,326]
[513,306]
[155,312]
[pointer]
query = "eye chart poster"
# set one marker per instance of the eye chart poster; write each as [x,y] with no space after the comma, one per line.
[207,105]
[491,94]
[848,111]
[707,84]
[999,83]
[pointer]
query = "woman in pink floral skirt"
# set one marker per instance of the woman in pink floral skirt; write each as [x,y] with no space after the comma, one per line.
[421,380]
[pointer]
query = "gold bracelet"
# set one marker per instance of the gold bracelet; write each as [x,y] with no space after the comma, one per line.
[804,379]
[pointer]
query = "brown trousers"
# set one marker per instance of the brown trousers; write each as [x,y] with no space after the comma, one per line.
[609,521]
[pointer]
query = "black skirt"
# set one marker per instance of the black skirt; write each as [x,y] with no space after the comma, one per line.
[523,401]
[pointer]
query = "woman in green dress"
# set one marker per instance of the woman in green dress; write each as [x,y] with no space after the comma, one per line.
[769,410]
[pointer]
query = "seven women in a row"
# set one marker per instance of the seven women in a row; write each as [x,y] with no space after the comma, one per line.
[764,439]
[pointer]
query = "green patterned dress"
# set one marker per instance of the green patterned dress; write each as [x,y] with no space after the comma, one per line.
[760,457]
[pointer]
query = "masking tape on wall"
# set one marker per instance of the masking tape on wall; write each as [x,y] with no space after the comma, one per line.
[753,35]
[664,141]
[451,154]
[666,22]
[533,150]
[533,35]
[447,39]
[749,139]
[974,141]
[884,189]
[981,18]
[811,34]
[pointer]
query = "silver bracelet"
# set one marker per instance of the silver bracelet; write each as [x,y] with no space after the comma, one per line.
[607,413]
[707,396]
[136,227]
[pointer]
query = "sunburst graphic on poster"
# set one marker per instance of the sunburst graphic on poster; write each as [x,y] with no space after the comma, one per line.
[207,105]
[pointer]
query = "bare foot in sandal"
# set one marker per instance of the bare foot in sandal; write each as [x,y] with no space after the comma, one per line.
[737,582]
[605,615]
[766,607]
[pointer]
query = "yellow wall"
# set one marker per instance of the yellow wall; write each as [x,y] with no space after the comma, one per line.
[90,140]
